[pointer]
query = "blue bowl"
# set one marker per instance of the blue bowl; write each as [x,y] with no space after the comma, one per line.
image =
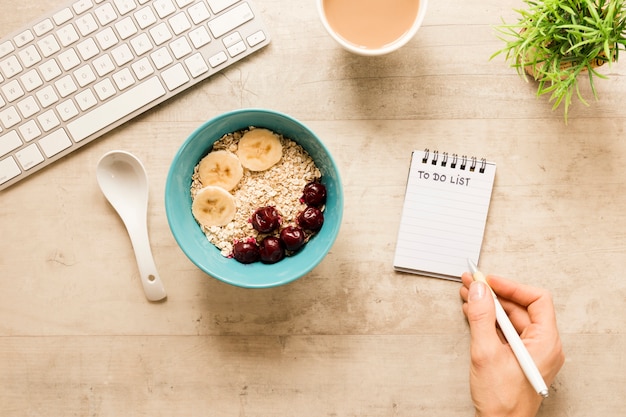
[192,240]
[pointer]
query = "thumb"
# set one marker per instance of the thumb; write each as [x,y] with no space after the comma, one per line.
[481,316]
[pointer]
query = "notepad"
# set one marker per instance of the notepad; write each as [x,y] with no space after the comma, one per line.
[444,214]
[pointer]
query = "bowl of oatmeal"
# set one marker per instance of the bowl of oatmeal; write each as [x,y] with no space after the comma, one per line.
[254,198]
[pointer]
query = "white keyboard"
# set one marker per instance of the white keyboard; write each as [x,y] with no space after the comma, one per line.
[79,72]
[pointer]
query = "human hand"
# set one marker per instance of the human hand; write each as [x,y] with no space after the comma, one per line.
[497,383]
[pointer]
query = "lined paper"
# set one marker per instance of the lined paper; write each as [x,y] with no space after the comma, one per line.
[444,214]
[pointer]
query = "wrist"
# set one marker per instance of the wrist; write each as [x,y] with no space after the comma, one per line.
[529,409]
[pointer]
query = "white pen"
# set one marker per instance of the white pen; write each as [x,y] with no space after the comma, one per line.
[521,353]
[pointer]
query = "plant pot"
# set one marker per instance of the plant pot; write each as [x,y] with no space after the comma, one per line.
[532,70]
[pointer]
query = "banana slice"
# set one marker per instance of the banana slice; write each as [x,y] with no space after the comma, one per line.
[220,168]
[259,149]
[213,206]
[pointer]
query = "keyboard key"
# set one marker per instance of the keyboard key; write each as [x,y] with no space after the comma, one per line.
[12,90]
[104,89]
[218,59]
[125,6]
[48,120]
[6,48]
[82,6]
[180,47]
[65,86]
[123,79]
[10,66]
[9,117]
[198,13]
[29,56]
[175,76]
[28,107]
[48,46]
[230,20]
[161,58]
[179,23]
[115,109]
[69,59]
[183,3]
[43,27]
[67,110]
[86,24]
[142,68]
[196,65]
[126,28]
[105,14]
[231,39]
[9,142]
[55,142]
[199,37]
[145,17]
[62,16]
[86,100]
[219,5]
[29,157]
[106,38]
[164,8]
[23,38]
[50,70]
[103,65]
[29,130]
[88,49]
[8,170]
[256,38]
[141,44]
[160,34]
[67,35]
[84,75]
[31,80]
[122,54]
[47,96]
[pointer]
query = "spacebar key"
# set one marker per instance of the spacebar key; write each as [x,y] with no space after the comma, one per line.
[115,109]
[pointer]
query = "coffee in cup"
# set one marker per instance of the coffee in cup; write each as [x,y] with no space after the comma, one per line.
[372,27]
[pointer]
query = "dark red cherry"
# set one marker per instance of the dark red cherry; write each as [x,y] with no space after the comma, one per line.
[311,218]
[265,219]
[246,251]
[314,194]
[292,237]
[271,250]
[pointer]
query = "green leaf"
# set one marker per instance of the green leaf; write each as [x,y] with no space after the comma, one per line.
[560,39]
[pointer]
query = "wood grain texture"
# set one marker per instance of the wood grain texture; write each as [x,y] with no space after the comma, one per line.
[353,337]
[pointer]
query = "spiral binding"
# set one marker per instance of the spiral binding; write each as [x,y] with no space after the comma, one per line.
[455,160]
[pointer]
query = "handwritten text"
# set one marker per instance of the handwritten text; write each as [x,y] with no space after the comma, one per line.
[452,179]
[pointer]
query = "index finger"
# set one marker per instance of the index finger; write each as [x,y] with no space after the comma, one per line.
[537,301]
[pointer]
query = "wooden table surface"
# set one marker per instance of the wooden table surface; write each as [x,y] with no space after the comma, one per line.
[353,337]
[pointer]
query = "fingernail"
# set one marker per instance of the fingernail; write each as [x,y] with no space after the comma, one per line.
[476,291]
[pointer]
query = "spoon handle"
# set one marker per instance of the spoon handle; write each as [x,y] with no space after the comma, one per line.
[150,279]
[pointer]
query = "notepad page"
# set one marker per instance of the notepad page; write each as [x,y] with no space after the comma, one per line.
[443,217]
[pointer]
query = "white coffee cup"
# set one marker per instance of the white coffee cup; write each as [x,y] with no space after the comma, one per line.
[372,27]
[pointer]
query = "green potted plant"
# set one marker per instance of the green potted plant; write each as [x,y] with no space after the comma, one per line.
[555,41]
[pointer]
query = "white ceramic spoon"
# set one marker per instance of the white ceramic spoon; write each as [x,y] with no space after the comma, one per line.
[123,181]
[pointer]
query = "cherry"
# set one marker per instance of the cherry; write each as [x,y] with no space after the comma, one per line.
[311,218]
[292,237]
[271,250]
[265,219]
[246,251]
[314,194]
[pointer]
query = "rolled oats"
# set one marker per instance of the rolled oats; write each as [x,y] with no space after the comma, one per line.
[279,186]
